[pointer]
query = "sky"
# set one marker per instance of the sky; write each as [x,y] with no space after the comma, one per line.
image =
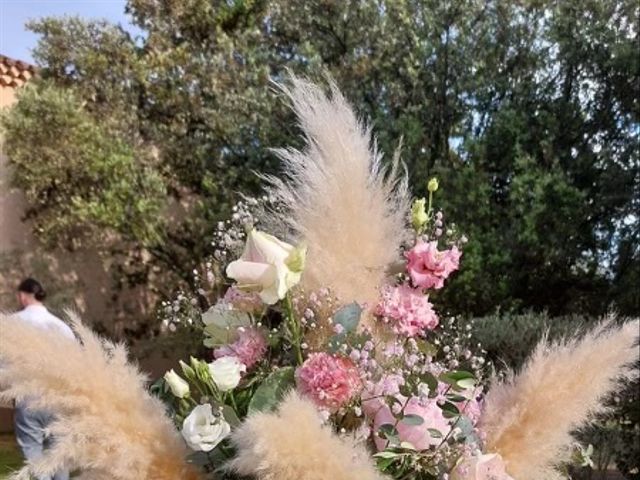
[16,42]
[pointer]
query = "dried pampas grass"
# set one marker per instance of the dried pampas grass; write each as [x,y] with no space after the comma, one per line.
[337,197]
[107,425]
[292,444]
[529,417]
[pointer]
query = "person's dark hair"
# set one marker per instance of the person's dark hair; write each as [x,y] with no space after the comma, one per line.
[32,286]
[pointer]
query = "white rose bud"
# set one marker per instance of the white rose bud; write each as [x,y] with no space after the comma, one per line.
[268,266]
[202,430]
[178,386]
[226,372]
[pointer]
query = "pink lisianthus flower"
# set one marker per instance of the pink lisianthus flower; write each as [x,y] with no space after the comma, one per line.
[249,302]
[429,267]
[473,407]
[250,347]
[417,435]
[330,381]
[409,310]
[481,467]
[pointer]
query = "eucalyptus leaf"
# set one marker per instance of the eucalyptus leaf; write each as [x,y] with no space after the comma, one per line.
[230,416]
[412,419]
[270,392]
[348,317]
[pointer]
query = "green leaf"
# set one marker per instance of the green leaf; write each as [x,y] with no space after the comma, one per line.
[348,316]
[271,391]
[405,390]
[230,416]
[435,433]
[412,419]
[432,383]
[459,379]
[449,410]
[454,397]
[388,431]
[386,454]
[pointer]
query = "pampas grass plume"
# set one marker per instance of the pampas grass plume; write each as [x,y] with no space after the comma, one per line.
[338,198]
[292,444]
[528,418]
[107,425]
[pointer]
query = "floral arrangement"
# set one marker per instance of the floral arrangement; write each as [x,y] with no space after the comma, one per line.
[383,374]
[387,370]
[327,357]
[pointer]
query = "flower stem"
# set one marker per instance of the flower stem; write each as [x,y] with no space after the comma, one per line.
[294,327]
[234,404]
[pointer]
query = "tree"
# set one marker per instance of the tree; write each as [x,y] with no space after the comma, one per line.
[527,111]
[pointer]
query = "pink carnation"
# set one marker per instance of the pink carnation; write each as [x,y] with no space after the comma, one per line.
[409,309]
[417,435]
[429,267]
[331,381]
[250,347]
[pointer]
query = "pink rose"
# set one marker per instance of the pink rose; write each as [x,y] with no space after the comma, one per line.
[417,435]
[481,467]
[331,381]
[249,348]
[409,310]
[429,267]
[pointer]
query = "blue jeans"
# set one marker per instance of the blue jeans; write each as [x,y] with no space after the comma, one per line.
[30,434]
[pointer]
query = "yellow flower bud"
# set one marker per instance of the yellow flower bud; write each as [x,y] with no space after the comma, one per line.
[418,213]
[297,258]
[432,186]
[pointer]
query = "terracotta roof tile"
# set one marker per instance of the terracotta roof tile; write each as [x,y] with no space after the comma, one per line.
[14,73]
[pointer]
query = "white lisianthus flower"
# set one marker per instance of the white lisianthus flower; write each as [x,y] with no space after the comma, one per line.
[268,266]
[178,386]
[202,430]
[226,372]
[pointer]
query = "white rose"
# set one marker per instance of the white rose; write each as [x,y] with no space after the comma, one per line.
[481,467]
[178,386]
[202,430]
[268,266]
[226,372]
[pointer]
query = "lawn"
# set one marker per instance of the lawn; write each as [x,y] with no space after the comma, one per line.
[10,456]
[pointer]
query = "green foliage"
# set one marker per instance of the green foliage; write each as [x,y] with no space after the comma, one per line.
[272,390]
[528,113]
[509,339]
[79,178]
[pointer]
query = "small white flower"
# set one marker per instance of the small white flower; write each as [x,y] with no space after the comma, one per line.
[202,430]
[226,372]
[178,386]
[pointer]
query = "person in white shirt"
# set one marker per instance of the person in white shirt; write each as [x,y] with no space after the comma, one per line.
[30,425]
